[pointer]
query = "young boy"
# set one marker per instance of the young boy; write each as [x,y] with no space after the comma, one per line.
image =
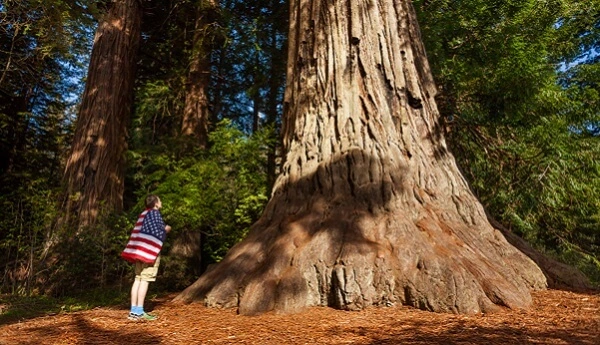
[143,251]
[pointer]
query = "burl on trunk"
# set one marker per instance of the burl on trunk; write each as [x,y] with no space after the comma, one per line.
[370,207]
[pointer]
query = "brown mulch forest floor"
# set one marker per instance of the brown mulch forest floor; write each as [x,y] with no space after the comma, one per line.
[557,317]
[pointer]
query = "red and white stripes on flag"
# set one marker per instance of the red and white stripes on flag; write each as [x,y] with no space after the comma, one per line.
[142,246]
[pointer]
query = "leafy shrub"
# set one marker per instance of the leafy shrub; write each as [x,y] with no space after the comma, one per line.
[210,201]
[27,212]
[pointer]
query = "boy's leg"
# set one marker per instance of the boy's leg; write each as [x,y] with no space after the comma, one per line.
[141,293]
[144,275]
[134,292]
[137,309]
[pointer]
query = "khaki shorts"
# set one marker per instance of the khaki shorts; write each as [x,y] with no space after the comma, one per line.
[146,272]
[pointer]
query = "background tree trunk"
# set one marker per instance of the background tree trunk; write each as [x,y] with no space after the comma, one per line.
[196,114]
[277,49]
[16,111]
[370,207]
[196,110]
[95,168]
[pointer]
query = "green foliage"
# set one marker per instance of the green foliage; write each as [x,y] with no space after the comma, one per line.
[156,124]
[42,52]
[491,57]
[543,182]
[519,94]
[211,197]
[91,258]
[27,211]
[221,194]
[224,189]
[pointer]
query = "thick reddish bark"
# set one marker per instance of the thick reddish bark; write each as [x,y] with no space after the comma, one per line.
[94,172]
[370,207]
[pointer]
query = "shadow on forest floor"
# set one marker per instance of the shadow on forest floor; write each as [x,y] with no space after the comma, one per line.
[14,308]
[423,332]
[84,331]
[19,308]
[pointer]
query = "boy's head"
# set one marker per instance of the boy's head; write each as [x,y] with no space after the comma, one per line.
[153,201]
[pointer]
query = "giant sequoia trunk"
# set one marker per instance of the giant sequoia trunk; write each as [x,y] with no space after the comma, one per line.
[95,168]
[370,208]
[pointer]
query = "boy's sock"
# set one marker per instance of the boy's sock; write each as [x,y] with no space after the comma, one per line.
[136,309]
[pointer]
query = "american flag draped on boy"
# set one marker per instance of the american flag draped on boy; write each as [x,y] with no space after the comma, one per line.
[146,238]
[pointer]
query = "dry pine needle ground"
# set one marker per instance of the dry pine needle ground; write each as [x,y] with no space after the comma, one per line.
[557,317]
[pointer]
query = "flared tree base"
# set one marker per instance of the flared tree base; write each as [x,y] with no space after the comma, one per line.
[333,255]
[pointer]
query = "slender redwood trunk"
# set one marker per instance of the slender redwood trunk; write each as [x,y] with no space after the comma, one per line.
[17,113]
[370,207]
[94,172]
[196,113]
[275,81]
[196,110]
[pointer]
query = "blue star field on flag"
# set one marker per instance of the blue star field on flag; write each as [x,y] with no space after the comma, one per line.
[154,225]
